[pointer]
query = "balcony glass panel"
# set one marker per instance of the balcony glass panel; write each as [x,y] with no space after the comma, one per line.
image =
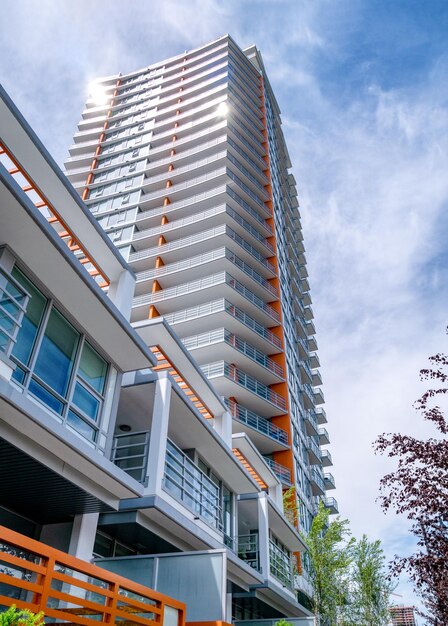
[130,453]
[258,423]
[14,301]
[281,564]
[186,482]
[248,550]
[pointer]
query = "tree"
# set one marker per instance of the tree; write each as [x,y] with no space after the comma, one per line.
[418,489]
[370,587]
[329,549]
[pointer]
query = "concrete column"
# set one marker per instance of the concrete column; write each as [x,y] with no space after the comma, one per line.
[263,534]
[223,425]
[159,434]
[121,293]
[83,535]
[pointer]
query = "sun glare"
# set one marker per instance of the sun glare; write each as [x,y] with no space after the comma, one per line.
[98,93]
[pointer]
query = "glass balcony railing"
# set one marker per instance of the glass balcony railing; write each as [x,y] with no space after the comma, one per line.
[326,458]
[317,477]
[253,298]
[314,448]
[249,322]
[220,335]
[282,472]
[221,368]
[281,565]
[258,423]
[248,550]
[187,483]
[130,452]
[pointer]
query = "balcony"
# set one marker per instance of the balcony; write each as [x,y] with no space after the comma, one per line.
[69,590]
[233,382]
[329,481]
[188,484]
[280,563]
[326,459]
[332,505]
[311,423]
[282,472]
[324,438]
[314,452]
[317,482]
[182,478]
[321,416]
[260,426]
[248,550]
[205,289]
[252,360]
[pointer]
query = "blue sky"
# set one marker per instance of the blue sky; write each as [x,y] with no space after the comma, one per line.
[363,92]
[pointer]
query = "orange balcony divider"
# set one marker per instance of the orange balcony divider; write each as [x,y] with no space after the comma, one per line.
[40,578]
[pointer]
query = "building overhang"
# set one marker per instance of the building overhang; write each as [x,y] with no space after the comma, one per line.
[48,261]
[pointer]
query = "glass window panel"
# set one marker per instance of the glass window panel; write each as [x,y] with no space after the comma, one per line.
[4,340]
[103,545]
[85,401]
[45,396]
[31,320]
[19,375]
[81,426]
[92,368]
[57,353]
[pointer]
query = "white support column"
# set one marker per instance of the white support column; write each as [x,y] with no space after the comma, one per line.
[223,425]
[121,293]
[83,535]
[263,534]
[159,434]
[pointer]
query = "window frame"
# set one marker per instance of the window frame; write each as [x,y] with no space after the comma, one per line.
[74,378]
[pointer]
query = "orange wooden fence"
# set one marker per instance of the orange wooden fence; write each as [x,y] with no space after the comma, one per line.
[71,591]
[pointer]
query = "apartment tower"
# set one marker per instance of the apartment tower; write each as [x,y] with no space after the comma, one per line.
[185,166]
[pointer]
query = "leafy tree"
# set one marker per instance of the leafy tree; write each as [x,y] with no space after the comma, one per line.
[370,587]
[20,617]
[330,553]
[418,489]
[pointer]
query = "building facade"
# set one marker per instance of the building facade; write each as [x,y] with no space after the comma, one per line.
[185,166]
[403,616]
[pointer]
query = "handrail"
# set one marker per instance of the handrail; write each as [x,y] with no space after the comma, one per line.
[54,582]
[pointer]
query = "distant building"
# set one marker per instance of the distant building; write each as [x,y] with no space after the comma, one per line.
[403,616]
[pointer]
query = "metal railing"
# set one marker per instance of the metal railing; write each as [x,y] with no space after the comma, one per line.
[66,589]
[280,563]
[314,448]
[240,315]
[130,453]
[282,472]
[248,550]
[258,423]
[187,483]
[221,368]
[317,477]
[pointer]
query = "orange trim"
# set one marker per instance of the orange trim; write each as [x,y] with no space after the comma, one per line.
[163,363]
[54,218]
[248,467]
[285,457]
[121,598]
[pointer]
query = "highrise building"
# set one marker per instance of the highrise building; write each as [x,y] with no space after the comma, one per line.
[185,166]
[403,616]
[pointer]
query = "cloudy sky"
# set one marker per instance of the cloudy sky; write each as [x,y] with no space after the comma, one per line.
[363,92]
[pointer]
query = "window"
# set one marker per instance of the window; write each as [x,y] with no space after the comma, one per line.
[57,365]
[135,152]
[125,198]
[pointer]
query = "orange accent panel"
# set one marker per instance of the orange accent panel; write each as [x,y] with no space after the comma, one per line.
[53,217]
[248,467]
[163,363]
[285,457]
[120,597]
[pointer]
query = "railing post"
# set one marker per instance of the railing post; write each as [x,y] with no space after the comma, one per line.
[159,434]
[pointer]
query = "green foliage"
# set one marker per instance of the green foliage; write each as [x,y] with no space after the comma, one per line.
[330,553]
[283,622]
[20,617]
[370,587]
[290,505]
